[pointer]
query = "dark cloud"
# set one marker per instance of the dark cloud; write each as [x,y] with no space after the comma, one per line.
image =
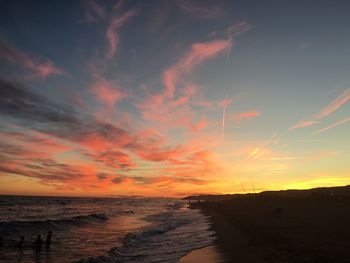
[117,180]
[12,161]
[45,170]
[102,176]
[41,114]
[112,158]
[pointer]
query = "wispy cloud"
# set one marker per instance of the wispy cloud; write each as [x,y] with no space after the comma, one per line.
[234,31]
[302,124]
[257,152]
[172,107]
[41,114]
[112,33]
[335,104]
[329,109]
[245,115]
[41,70]
[94,10]
[107,92]
[332,125]
[198,53]
[199,10]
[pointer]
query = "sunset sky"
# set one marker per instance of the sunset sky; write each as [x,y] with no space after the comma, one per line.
[170,98]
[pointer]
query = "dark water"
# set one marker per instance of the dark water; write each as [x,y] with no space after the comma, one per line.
[101,229]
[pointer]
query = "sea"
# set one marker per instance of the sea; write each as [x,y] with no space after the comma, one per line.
[100,230]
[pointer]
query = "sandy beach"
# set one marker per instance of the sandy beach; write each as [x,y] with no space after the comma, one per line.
[281,229]
[209,254]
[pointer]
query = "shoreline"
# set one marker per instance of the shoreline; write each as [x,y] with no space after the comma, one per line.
[208,254]
[228,237]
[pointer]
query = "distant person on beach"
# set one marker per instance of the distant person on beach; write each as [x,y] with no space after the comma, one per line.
[38,243]
[48,239]
[20,243]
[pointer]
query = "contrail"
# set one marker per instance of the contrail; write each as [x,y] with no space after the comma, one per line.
[223,123]
[228,52]
[223,119]
[332,125]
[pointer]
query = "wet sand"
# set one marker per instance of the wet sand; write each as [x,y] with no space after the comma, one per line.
[281,229]
[210,254]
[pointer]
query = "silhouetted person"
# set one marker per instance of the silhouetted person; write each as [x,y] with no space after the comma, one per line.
[38,243]
[1,242]
[20,243]
[48,239]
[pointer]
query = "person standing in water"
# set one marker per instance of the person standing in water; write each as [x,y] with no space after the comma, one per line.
[20,243]
[48,239]
[38,243]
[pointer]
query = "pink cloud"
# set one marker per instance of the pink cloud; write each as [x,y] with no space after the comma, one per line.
[245,115]
[47,69]
[195,162]
[302,124]
[41,70]
[157,155]
[167,115]
[224,103]
[170,111]
[107,92]
[335,104]
[198,53]
[112,32]
[201,124]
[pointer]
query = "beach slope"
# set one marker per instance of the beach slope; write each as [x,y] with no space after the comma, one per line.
[306,226]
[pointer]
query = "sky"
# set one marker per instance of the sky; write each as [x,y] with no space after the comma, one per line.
[172,98]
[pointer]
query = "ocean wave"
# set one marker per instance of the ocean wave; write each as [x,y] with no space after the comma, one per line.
[81,219]
[175,206]
[122,212]
[150,242]
[87,218]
